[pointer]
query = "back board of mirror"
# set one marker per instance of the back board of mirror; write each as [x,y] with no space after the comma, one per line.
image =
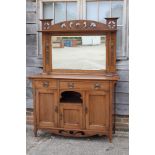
[79,52]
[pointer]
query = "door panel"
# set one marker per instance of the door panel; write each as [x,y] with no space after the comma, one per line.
[71,116]
[97,116]
[46,104]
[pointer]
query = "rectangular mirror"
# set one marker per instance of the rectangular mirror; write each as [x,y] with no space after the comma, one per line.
[79,52]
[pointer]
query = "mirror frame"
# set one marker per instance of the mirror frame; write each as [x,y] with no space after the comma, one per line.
[79,28]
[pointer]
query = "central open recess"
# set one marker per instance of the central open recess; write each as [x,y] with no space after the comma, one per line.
[70,97]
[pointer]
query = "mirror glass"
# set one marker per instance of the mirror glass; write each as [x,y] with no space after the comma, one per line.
[79,52]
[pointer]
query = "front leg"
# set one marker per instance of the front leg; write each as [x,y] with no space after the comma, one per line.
[35,131]
[110,137]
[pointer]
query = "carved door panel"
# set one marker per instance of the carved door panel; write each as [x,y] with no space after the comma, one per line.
[97,110]
[46,108]
[71,116]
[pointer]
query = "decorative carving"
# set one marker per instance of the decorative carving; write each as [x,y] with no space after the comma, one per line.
[93,25]
[81,25]
[85,24]
[46,25]
[63,25]
[111,47]
[71,133]
[47,50]
[70,24]
[78,25]
[112,50]
[111,24]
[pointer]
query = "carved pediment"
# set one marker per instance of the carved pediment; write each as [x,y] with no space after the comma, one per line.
[80,25]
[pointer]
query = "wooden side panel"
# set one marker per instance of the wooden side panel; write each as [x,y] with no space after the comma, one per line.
[97,116]
[111,51]
[46,103]
[47,53]
[71,116]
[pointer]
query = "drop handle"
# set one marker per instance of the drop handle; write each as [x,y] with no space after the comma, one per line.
[70,85]
[86,110]
[45,84]
[97,86]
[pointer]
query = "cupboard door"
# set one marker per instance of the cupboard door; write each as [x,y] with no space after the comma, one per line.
[97,110]
[46,108]
[71,116]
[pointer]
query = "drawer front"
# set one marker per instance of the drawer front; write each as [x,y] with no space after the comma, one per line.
[94,85]
[45,83]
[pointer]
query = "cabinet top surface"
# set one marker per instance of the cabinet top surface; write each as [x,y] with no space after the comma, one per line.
[111,76]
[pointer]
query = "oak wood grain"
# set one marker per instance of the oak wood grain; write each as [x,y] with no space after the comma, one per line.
[72,102]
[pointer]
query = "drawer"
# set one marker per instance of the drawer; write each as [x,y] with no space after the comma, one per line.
[46,83]
[94,85]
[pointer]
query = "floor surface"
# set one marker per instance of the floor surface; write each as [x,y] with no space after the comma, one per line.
[49,144]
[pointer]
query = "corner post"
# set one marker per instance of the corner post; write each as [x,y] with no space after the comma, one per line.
[46,45]
[111,43]
[46,23]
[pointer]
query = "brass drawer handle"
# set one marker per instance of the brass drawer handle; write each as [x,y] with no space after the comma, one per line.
[97,86]
[45,84]
[70,85]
